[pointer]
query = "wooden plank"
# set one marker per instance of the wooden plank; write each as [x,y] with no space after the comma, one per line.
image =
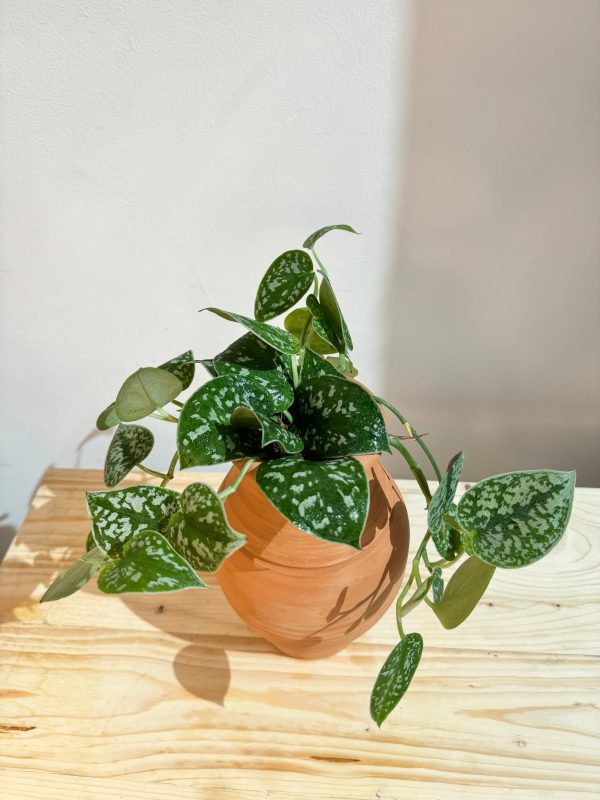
[149,696]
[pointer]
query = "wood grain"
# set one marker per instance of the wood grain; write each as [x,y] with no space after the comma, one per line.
[174,697]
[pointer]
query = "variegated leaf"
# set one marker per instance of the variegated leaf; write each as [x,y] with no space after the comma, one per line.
[120,514]
[147,390]
[209,366]
[250,357]
[271,431]
[285,282]
[294,323]
[204,432]
[183,367]
[321,322]
[465,589]
[75,577]
[314,237]
[276,338]
[395,676]
[336,417]
[333,314]
[329,499]
[107,419]
[440,504]
[448,541]
[149,564]
[200,532]
[516,518]
[313,366]
[130,445]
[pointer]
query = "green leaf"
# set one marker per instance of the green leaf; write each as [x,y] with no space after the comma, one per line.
[321,322]
[149,564]
[314,237]
[204,432]
[465,589]
[200,532]
[446,540]
[75,577]
[336,417]
[276,338]
[328,499]
[395,676]
[437,588]
[130,445]
[285,282]
[120,514]
[517,518]
[334,316]
[294,323]
[209,366]
[147,390]
[107,419]
[415,599]
[183,367]
[250,357]
[272,432]
[348,369]
[313,366]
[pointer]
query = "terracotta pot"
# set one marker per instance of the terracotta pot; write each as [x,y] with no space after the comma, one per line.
[308,597]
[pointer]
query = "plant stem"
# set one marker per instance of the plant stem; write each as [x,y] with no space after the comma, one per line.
[413,466]
[288,416]
[171,471]
[414,433]
[231,489]
[319,262]
[294,371]
[177,403]
[152,472]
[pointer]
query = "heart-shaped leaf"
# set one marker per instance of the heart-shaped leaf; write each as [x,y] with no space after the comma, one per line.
[336,417]
[119,515]
[321,322]
[200,532]
[183,367]
[148,564]
[333,314]
[276,338]
[272,432]
[313,366]
[107,419]
[516,518]
[329,499]
[147,390]
[130,445]
[465,589]
[74,577]
[250,357]
[285,282]
[205,434]
[295,322]
[314,237]
[395,676]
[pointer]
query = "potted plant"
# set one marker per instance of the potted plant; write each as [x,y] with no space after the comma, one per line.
[308,531]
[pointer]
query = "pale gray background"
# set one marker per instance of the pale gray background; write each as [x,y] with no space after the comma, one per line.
[156,156]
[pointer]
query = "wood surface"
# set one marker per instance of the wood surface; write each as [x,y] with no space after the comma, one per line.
[170,697]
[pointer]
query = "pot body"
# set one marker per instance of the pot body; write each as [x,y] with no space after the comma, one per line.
[308,597]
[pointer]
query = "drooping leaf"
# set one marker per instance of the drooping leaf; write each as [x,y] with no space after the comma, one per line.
[147,390]
[130,445]
[276,338]
[200,532]
[294,323]
[119,514]
[74,577]
[183,367]
[395,676]
[148,564]
[446,540]
[204,432]
[437,587]
[334,316]
[516,518]
[314,237]
[285,282]
[336,417]
[321,322]
[272,432]
[329,499]
[250,357]
[313,366]
[415,599]
[464,590]
[107,419]
[348,369]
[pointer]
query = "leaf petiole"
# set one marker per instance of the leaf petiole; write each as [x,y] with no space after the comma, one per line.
[231,488]
[414,434]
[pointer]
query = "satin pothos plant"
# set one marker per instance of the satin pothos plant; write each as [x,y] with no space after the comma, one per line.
[284,397]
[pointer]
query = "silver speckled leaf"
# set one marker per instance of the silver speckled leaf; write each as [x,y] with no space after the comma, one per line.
[294,323]
[516,518]
[314,237]
[313,366]
[200,532]
[272,432]
[120,514]
[395,676]
[329,499]
[285,282]
[336,417]
[130,445]
[465,589]
[149,564]
[321,322]
[74,577]
[145,391]
[276,338]
[441,503]
[183,367]
[333,314]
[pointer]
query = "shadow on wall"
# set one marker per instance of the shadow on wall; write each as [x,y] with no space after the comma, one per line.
[492,310]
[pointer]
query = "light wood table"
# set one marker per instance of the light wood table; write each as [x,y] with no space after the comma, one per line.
[173,697]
